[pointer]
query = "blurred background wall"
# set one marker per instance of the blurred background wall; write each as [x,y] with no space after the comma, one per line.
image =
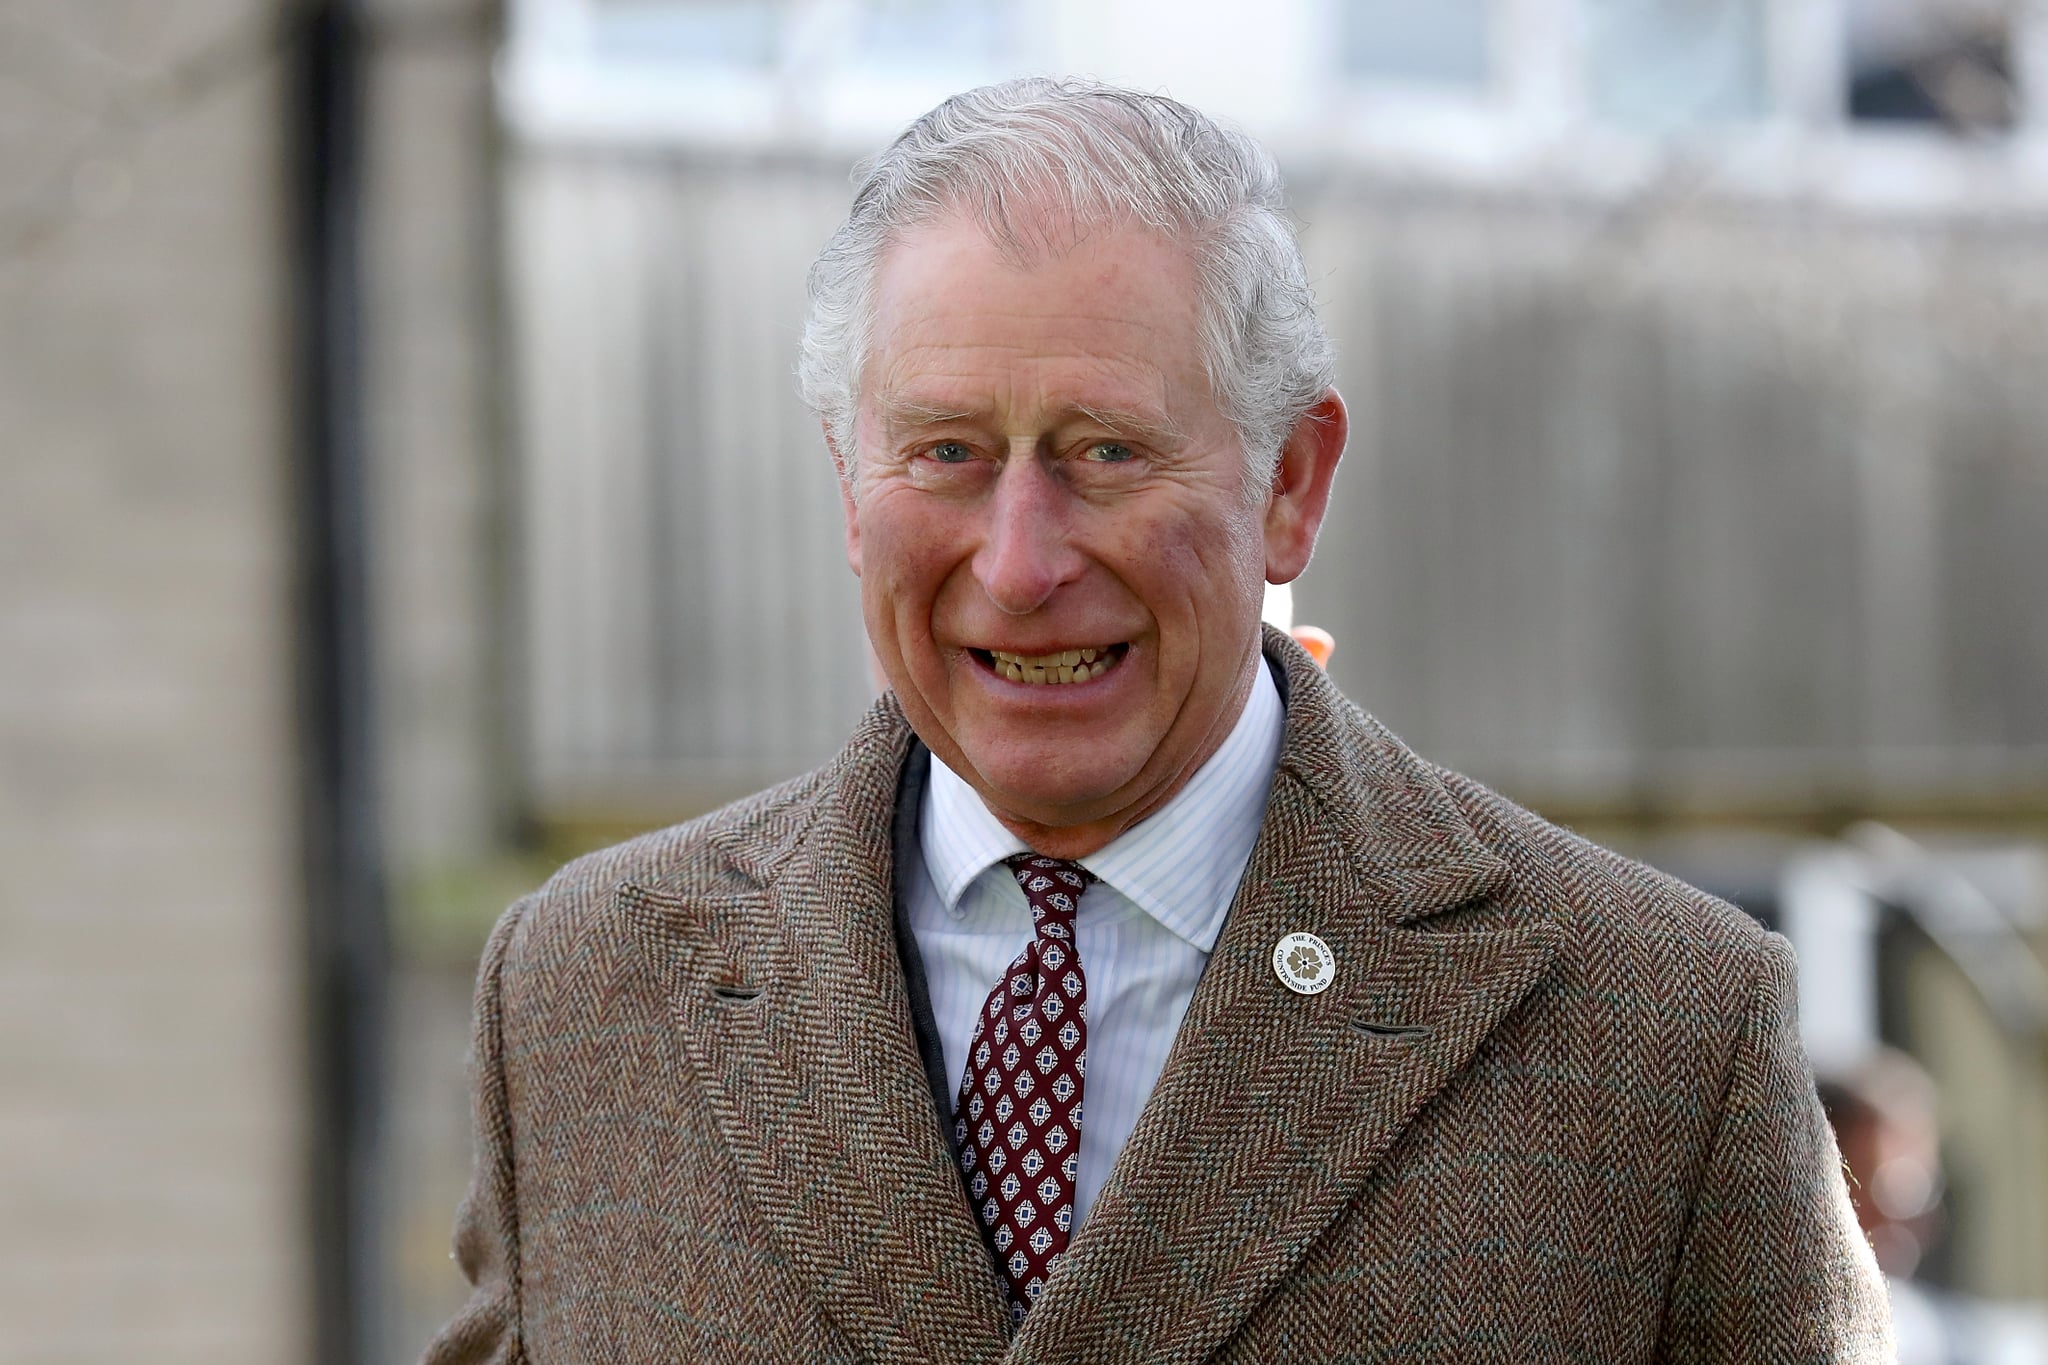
[167,1063]
[1694,349]
[151,1067]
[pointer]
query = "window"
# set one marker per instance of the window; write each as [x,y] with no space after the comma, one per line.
[893,32]
[743,33]
[1666,66]
[1440,42]
[757,34]
[1949,65]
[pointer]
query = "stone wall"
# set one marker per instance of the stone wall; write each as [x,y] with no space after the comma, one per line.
[150,1043]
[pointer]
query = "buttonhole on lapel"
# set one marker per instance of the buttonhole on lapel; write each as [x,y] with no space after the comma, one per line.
[1397,1033]
[734,992]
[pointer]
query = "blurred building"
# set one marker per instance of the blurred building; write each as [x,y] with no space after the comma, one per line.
[1696,345]
[1728,396]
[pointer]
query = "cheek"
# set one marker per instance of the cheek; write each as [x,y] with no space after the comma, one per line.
[1210,570]
[899,540]
[907,561]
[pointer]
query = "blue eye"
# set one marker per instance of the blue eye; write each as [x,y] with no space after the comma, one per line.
[950,452]
[1110,452]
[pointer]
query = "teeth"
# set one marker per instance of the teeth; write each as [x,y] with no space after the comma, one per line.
[1067,666]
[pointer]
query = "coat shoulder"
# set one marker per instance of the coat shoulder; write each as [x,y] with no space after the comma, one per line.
[731,851]
[1619,916]
[1621,922]
[725,851]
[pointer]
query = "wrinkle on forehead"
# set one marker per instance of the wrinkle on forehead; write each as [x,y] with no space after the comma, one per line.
[1033,224]
[964,337]
[1058,237]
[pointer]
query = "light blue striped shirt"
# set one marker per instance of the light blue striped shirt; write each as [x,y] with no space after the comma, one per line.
[1144,932]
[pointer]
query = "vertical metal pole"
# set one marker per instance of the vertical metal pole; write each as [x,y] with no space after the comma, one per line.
[346,943]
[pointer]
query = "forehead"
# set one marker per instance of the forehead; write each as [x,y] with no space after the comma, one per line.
[1108,317]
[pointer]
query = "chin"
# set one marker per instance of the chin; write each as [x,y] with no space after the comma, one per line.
[1046,784]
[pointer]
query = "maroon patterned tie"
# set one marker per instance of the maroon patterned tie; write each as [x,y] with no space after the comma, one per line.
[1018,1119]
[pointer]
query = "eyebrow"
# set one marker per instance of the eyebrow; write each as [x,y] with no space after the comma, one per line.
[1131,423]
[897,413]
[900,414]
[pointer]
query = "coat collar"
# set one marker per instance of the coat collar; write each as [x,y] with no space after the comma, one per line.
[785,984]
[1273,1107]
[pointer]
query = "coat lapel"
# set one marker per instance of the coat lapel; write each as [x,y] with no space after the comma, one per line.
[1274,1107]
[788,995]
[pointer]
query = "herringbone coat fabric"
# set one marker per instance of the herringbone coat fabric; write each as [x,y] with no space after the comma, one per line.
[1551,1109]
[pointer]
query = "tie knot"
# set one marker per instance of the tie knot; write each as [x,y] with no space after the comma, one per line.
[1052,886]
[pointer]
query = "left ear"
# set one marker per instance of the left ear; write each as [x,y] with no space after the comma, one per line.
[844,468]
[1300,493]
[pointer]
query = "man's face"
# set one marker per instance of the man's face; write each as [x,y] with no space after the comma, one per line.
[1042,476]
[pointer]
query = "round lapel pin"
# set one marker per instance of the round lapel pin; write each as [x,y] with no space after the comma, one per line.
[1304,964]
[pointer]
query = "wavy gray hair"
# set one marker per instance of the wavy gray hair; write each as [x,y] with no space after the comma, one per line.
[1095,154]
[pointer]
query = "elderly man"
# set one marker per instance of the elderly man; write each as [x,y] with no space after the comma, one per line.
[1122,992]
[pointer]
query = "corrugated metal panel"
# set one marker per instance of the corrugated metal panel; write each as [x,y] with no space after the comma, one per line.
[1670,510]
[1671,504]
[690,621]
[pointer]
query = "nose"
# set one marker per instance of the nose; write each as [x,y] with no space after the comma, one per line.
[1026,551]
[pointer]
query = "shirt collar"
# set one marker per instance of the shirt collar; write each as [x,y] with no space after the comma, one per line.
[1181,864]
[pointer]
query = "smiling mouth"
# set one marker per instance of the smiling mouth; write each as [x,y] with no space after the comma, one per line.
[1064,666]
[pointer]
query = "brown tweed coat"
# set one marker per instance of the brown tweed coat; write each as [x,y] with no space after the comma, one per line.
[1552,1108]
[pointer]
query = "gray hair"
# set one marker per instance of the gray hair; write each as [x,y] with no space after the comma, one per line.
[1096,154]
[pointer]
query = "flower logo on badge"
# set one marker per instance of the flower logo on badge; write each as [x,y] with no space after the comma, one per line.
[1304,964]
